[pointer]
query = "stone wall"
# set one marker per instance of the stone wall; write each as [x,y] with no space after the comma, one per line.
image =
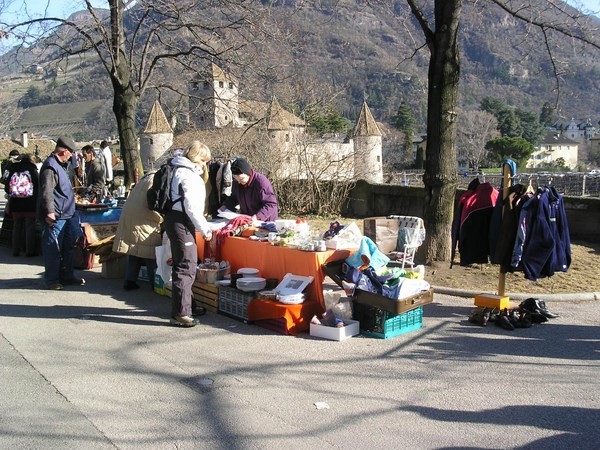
[370,200]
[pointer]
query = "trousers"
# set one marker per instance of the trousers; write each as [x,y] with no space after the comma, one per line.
[58,241]
[134,263]
[184,252]
[23,233]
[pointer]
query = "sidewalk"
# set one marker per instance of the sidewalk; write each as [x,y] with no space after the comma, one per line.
[98,367]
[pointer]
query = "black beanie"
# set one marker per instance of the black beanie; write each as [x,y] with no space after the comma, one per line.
[240,166]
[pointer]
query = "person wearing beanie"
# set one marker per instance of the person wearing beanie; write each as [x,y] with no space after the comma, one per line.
[253,192]
[188,195]
[13,157]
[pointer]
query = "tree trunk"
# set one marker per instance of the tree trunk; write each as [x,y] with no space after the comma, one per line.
[125,107]
[440,176]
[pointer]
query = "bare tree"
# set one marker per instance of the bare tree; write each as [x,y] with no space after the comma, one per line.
[158,34]
[439,22]
[475,129]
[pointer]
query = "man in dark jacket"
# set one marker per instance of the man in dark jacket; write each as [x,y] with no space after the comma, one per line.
[253,192]
[22,202]
[95,174]
[60,222]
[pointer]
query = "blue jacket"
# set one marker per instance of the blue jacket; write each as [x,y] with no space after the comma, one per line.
[56,191]
[547,246]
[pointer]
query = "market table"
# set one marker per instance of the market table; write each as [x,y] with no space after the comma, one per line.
[275,261]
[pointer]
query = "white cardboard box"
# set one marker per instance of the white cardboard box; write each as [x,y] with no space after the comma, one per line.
[352,328]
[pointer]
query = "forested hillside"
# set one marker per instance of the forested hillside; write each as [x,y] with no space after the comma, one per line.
[350,50]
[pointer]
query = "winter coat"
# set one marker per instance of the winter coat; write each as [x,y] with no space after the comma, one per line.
[255,198]
[138,231]
[187,182]
[28,204]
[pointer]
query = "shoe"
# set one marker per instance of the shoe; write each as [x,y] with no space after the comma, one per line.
[184,321]
[55,287]
[74,282]
[537,306]
[130,286]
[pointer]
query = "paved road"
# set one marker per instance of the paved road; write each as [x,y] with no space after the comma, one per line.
[97,367]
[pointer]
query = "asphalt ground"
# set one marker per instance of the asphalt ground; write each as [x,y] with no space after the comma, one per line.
[99,367]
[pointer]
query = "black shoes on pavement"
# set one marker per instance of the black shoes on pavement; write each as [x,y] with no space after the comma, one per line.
[537,307]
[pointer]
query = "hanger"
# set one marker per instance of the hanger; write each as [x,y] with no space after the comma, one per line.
[530,189]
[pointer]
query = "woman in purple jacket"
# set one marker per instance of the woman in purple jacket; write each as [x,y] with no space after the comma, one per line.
[253,192]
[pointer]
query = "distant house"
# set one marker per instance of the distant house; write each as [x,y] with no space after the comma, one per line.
[578,130]
[552,147]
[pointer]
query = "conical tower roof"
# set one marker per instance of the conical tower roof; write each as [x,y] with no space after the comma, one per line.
[278,118]
[366,125]
[157,122]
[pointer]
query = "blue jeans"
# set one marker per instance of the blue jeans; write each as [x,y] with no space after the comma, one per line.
[58,241]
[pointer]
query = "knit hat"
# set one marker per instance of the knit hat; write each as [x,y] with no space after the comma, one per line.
[13,153]
[240,166]
[65,142]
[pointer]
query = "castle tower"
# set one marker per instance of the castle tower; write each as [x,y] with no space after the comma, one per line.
[368,144]
[213,99]
[282,125]
[156,138]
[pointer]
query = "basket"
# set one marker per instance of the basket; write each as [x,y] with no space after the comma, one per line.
[234,303]
[211,276]
[381,324]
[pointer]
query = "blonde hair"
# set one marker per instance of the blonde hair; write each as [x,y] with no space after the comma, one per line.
[197,152]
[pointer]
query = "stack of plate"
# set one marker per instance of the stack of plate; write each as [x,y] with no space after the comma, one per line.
[248,272]
[251,284]
[291,299]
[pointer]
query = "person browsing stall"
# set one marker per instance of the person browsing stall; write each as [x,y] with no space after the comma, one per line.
[95,176]
[188,195]
[60,221]
[138,234]
[253,192]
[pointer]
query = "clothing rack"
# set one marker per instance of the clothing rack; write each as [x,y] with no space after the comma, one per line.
[506,182]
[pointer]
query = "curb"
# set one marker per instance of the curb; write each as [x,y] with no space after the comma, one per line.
[581,297]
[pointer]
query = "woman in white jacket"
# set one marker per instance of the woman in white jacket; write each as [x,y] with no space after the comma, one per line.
[188,195]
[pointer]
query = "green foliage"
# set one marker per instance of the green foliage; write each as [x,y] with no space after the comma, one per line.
[514,122]
[34,97]
[326,120]
[404,119]
[515,148]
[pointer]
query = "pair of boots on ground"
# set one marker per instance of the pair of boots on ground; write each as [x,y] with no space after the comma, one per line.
[532,310]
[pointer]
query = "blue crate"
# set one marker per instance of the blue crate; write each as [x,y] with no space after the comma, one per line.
[381,324]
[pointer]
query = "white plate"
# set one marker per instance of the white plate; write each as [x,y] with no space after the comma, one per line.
[250,280]
[248,272]
[223,282]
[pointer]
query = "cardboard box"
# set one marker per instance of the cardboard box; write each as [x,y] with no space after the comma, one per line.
[352,328]
[114,268]
[382,231]
[492,301]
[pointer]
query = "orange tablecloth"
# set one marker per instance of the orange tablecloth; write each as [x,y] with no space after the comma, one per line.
[295,317]
[276,262]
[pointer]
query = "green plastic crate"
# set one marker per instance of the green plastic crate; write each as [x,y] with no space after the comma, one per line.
[381,324]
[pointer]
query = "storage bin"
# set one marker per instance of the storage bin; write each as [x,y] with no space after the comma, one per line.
[234,303]
[381,324]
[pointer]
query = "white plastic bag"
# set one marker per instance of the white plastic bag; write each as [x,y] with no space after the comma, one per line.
[163,257]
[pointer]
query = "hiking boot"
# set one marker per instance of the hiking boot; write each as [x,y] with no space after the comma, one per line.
[55,287]
[74,282]
[184,321]
[537,306]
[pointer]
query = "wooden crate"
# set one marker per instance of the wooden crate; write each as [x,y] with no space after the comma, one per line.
[206,295]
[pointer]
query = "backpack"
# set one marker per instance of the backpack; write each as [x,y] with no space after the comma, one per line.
[159,194]
[20,185]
